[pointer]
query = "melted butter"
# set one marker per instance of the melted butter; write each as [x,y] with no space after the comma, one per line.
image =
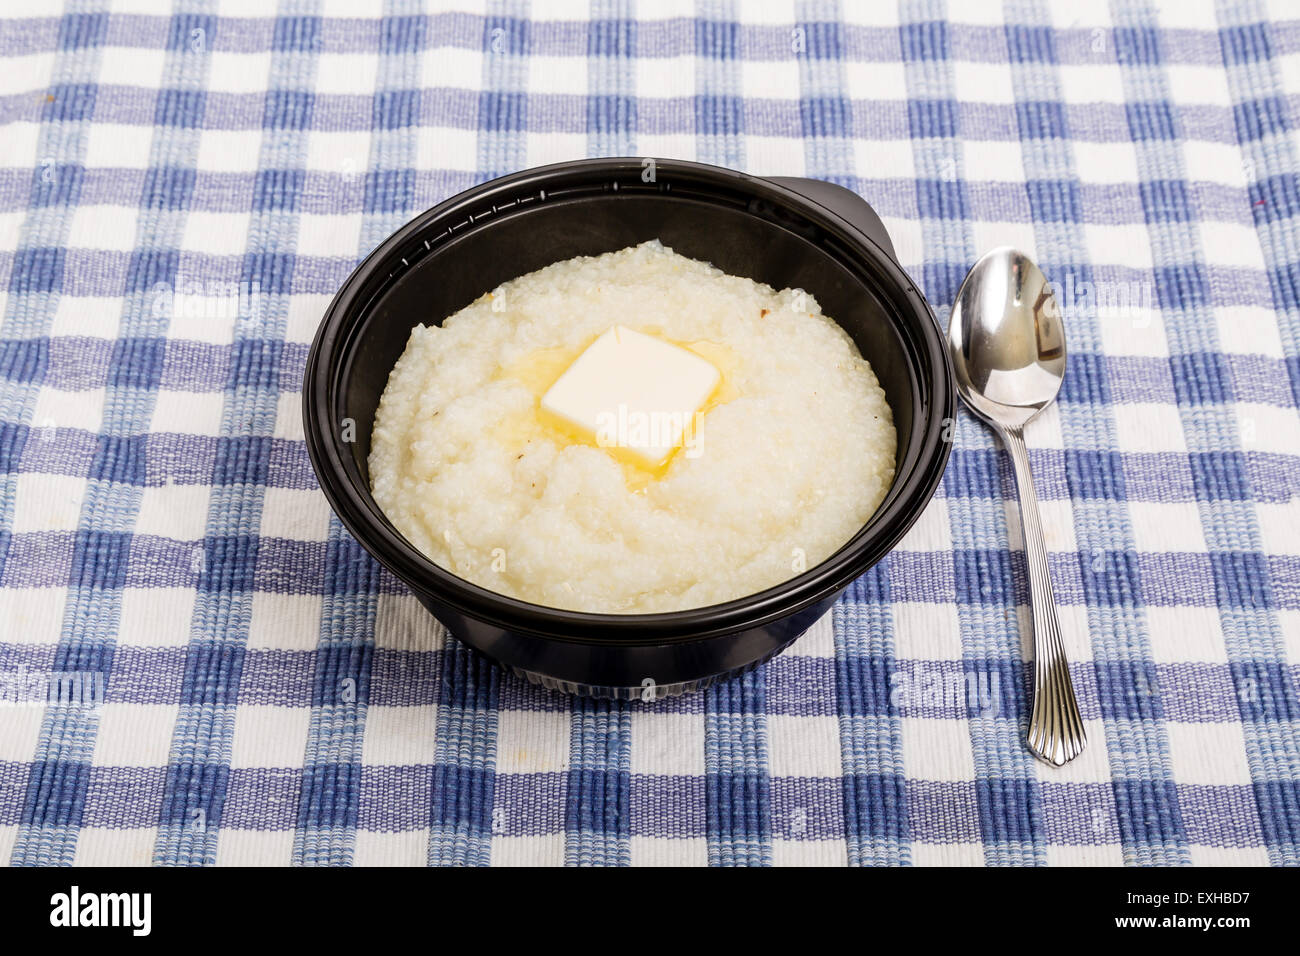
[539,370]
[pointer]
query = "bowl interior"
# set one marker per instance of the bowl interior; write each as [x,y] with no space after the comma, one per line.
[757,244]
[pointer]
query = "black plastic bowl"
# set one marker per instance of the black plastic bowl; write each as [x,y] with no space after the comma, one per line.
[784,232]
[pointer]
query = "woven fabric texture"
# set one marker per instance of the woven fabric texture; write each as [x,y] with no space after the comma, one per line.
[182,189]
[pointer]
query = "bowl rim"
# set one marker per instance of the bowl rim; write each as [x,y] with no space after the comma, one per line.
[363,518]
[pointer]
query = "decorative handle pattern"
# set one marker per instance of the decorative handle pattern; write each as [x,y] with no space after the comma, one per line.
[1056,732]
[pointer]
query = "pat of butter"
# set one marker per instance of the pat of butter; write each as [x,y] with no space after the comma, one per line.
[633,393]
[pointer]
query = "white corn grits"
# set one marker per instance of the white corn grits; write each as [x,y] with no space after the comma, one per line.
[791,459]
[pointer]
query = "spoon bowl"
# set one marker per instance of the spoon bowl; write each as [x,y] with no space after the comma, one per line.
[1007,342]
[1007,339]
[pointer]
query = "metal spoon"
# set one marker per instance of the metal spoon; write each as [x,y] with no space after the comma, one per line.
[1008,349]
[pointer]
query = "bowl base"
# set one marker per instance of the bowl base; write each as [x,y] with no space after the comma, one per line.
[648,692]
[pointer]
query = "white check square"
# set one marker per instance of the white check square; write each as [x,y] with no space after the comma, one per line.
[188,413]
[238,72]
[112,228]
[804,746]
[347,73]
[1091,83]
[269,735]
[216,233]
[119,146]
[157,617]
[666,744]
[131,66]
[982,82]
[229,151]
[175,511]
[134,735]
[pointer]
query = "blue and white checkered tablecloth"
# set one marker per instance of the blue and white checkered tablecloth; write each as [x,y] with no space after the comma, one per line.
[181,191]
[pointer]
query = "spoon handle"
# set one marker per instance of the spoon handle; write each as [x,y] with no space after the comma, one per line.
[1056,732]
